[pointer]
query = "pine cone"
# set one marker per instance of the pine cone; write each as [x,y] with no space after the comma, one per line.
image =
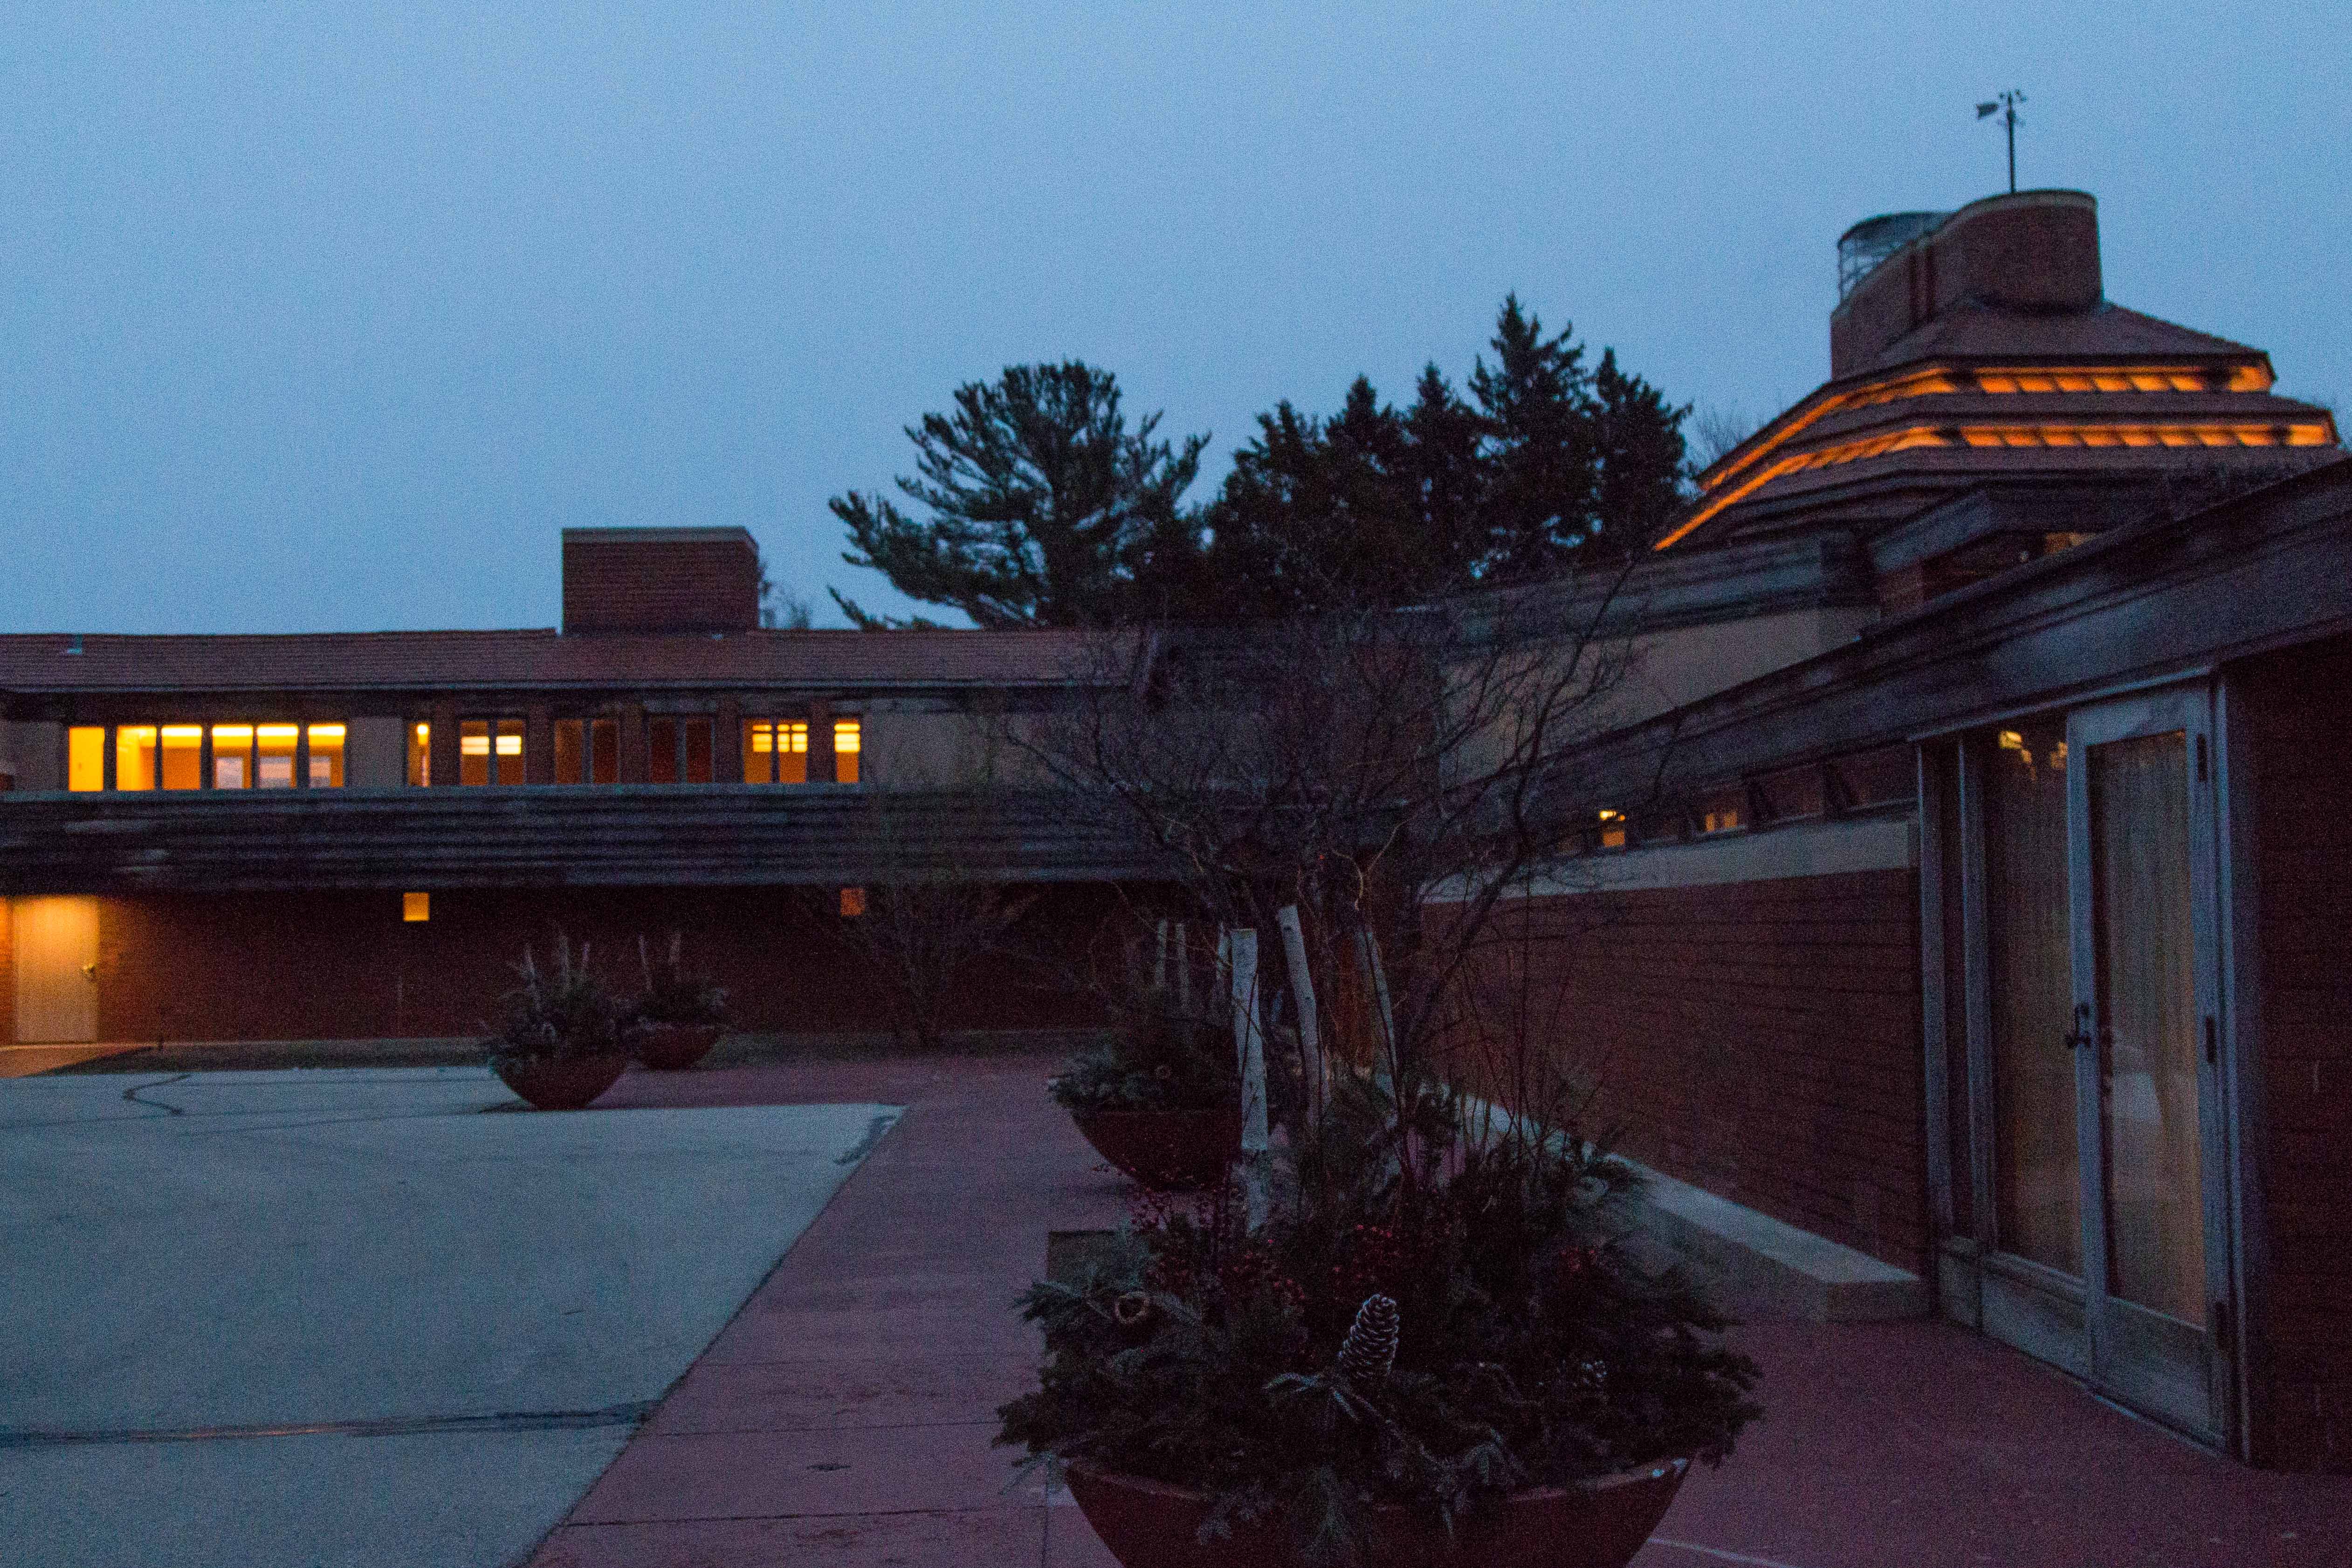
[1370,1347]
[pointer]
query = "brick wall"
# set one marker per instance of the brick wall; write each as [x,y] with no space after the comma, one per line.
[339,966]
[660,580]
[2300,715]
[1760,1039]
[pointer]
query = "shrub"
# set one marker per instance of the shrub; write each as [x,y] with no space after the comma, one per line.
[1528,1348]
[565,1012]
[673,993]
[1159,1059]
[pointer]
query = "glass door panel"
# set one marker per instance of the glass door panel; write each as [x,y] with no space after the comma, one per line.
[2145,950]
[2037,1176]
[2141,823]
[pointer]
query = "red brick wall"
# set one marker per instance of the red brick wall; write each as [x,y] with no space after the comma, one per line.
[686,581]
[1760,1039]
[2300,717]
[339,966]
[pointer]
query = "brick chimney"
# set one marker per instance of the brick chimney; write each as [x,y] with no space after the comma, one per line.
[660,580]
[2032,253]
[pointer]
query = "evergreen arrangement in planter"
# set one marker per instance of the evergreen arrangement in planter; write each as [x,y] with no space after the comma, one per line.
[558,1043]
[1427,1325]
[1160,1097]
[679,1014]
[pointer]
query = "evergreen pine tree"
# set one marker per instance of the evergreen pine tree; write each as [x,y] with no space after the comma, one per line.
[1040,506]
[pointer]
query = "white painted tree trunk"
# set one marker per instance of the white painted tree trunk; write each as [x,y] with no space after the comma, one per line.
[1183,974]
[1302,992]
[1240,951]
[1368,953]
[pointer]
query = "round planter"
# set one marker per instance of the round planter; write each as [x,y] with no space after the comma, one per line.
[1168,1151]
[1600,1524]
[567,1083]
[671,1047]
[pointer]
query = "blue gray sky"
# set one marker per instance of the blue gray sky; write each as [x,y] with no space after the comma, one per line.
[330,317]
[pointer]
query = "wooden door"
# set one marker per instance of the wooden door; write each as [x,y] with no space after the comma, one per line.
[56,970]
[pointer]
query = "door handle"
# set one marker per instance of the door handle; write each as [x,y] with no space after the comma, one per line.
[2081,1035]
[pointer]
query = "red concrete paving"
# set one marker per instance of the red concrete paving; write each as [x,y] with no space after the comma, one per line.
[844,1418]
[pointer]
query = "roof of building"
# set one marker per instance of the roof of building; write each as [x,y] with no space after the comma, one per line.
[1984,351]
[829,660]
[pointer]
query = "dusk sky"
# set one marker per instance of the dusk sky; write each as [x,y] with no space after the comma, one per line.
[330,318]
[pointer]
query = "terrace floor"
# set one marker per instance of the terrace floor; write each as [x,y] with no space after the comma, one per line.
[843,1415]
[844,1418]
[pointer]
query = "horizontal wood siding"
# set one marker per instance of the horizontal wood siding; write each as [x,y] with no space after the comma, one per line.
[1760,1039]
[2302,717]
[614,835]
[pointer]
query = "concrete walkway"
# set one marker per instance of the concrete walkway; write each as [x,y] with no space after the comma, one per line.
[844,1418]
[344,1317]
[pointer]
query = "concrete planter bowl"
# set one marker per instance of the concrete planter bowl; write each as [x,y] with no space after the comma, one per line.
[559,1083]
[670,1048]
[1166,1151]
[1600,1524]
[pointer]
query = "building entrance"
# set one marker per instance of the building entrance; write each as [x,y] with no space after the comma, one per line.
[2100,1140]
[56,970]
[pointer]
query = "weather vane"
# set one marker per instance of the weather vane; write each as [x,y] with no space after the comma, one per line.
[2005,105]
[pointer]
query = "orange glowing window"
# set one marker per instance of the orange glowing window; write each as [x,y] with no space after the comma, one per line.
[232,756]
[1750,466]
[86,757]
[182,748]
[420,754]
[326,756]
[415,908]
[134,757]
[775,751]
[274,746]
[853,903]
[490,751]
[1612,829]
[846,741]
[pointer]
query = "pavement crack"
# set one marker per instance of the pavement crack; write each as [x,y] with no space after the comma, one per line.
[874,1127]
[628,1414]
[132,1093]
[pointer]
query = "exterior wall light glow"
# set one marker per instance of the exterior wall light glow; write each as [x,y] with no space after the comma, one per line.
[1746,470]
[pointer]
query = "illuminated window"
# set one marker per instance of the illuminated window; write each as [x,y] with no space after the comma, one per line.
[775,751]
[232,756]
[274,746]
[490,751]
[182,748]
[846,739]
[1612,829]
[587,751]
[86,757]
[415,908]
[853,903]
[420,754]
[1723,811]
[327,756]
[134,757]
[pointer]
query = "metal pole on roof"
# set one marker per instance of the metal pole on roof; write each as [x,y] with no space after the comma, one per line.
[2005,105]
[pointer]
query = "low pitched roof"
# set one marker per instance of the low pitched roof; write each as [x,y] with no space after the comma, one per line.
[833,660]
